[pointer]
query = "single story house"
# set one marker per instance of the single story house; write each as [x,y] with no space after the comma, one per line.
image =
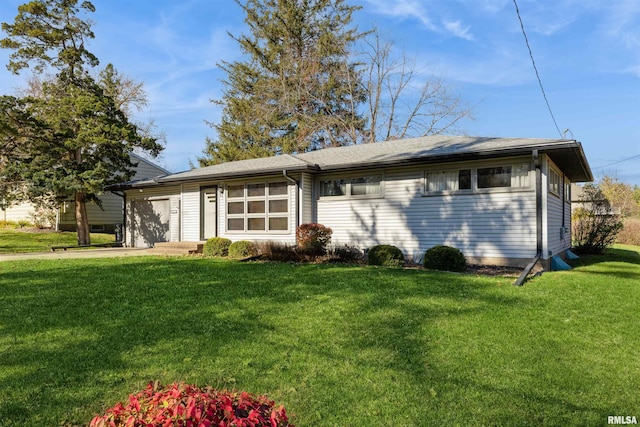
[100,219]
[498,200]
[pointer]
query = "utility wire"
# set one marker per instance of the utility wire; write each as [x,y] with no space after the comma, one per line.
[536,69]
[619,161]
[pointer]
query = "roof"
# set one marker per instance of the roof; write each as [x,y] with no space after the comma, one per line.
[567,154]
[250,167]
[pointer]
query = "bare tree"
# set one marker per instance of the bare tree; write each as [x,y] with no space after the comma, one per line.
[399,104]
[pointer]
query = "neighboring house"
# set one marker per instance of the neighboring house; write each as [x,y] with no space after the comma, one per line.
[498,200]
[100,220]
[580,201]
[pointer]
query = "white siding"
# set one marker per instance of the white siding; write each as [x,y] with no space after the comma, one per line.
[17,212]
[191,212]
[176,220]
[557,239]
[491,224]
[307,213]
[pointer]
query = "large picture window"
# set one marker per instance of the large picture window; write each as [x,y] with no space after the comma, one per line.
[360,186]
[502,176]
[259,207]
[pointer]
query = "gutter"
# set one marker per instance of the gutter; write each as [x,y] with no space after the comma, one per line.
[523,276]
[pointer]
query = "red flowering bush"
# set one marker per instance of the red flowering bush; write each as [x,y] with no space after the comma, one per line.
[312,239]
[189,406]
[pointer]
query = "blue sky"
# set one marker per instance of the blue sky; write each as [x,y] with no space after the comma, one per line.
[587,53]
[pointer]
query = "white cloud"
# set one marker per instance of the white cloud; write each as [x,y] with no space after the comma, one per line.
[458,30]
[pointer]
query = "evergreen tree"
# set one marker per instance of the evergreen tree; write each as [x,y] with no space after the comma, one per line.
[297,90]
[73,138]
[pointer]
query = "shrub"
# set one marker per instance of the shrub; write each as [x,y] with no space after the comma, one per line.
[242,249]
[22,223]
[312,239]
[217,246]
[348,254]
[630,233]
[595,226]
[8,224]
[187,405]
[43,217]
[444,258]
[385,255]
[277,251]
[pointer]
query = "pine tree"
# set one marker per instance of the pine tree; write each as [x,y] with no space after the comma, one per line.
[297,90]
[73,138]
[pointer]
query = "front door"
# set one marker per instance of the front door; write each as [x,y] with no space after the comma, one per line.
[209,212]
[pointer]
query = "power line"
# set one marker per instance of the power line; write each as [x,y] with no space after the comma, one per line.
[619,161]
[536,69]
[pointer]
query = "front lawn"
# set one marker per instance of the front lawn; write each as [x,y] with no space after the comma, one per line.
[338,346]
[33,240]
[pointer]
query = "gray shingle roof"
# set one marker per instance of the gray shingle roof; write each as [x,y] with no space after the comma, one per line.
[567,154]
[424,148]
[242,168]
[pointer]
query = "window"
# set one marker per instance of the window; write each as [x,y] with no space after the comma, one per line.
[360,186]
[567,191]
[554,182]
[259,207]
[503,176]
[449,180]
[516,176]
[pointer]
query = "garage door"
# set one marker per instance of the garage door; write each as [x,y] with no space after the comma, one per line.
[151,222]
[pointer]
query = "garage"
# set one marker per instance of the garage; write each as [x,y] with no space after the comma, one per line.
[151,222]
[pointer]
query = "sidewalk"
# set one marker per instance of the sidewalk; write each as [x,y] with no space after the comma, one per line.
[76,253]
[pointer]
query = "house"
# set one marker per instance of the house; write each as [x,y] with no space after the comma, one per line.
[100,220]
[498,200]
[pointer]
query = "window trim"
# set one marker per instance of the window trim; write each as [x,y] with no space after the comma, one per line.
[266,215]
[474,178]
[555,171]
[348,178]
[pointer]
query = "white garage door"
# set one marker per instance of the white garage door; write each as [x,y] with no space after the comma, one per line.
[151,222]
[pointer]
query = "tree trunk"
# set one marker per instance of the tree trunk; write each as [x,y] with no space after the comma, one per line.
[82,222]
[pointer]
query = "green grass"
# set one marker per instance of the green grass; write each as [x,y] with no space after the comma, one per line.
[338,346]
[19,241]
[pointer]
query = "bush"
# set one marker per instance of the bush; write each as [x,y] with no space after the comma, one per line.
[347,254]
[43,217]
[23,223]
[444,258]
[277,251]
[312,239]
[595,226]
[630,233]
[217,246]
[188,405]
[242,249]
[385,255]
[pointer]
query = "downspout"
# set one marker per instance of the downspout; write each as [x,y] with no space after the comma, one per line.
[297,184]
[534,261]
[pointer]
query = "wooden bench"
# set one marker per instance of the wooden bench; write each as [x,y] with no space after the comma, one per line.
[97,245]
